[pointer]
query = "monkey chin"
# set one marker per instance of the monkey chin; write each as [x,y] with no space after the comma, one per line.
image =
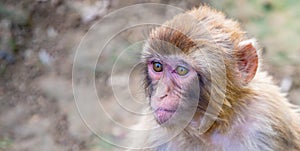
[163,115]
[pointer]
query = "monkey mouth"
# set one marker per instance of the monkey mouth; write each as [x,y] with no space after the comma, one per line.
[162,115]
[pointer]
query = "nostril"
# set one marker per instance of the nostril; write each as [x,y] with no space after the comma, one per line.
[163,96]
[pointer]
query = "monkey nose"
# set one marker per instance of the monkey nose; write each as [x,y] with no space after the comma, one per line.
[162,97]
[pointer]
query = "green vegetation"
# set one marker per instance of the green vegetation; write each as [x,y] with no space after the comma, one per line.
[275,23]
[5,143]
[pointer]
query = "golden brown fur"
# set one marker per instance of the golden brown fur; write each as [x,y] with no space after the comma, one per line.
[255,114]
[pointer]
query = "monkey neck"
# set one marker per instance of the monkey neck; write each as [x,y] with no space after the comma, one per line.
[239,98]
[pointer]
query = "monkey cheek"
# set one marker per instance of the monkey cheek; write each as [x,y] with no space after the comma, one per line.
[162,116]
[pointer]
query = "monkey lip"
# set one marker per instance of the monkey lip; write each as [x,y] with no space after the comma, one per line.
[162,115]
[164,110]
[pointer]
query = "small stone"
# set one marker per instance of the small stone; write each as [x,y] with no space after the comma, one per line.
[45,58]
[28,54]
[286,84]
[51,32]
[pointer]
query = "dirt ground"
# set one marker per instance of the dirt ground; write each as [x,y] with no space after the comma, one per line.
[38,44]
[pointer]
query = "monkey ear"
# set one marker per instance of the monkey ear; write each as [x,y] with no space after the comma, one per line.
[247,60]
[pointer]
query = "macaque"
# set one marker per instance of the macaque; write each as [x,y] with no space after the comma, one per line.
[203,74]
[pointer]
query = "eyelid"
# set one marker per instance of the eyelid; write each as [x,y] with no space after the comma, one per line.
[182,66]
[154,61]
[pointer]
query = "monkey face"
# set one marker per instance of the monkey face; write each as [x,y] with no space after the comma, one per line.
[184,76]
[169,78]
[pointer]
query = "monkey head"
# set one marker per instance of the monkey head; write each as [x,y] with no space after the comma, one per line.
[197,62]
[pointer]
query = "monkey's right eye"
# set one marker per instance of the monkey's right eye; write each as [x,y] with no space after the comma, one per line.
[157,67]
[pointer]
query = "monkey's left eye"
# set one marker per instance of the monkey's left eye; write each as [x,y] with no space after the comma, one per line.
[180,70]
[157,66]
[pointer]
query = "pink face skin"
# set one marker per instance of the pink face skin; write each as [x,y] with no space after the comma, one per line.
[168,77]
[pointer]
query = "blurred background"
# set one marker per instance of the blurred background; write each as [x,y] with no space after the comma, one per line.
[38,40]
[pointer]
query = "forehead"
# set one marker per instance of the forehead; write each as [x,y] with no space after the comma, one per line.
[165,58]
[166,50]
[167,40]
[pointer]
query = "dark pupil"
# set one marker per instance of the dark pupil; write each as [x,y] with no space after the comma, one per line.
[157,67]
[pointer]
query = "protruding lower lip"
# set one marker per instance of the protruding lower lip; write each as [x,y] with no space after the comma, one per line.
[165,110]
[162,114]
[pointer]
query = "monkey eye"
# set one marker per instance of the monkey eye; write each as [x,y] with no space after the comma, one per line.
[180,70]
[157,67]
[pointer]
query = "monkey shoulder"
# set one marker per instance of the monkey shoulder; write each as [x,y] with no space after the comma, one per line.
[267,124]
